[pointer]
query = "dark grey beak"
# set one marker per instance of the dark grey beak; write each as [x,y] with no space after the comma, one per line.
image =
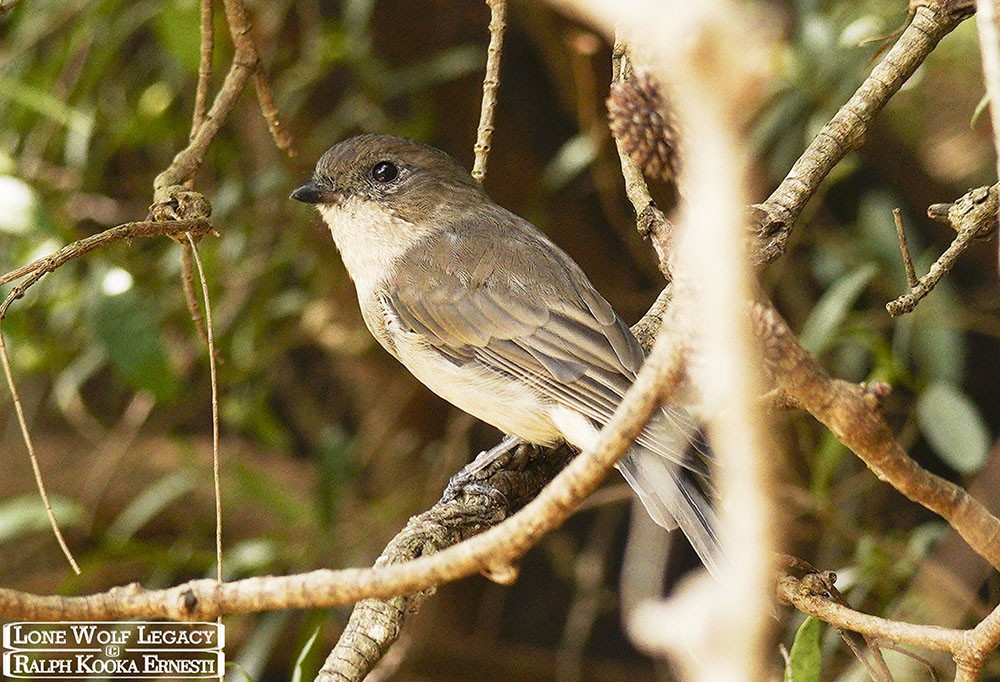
[309,193]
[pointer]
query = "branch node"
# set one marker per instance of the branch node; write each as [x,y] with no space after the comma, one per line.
[177,202]
[502,574]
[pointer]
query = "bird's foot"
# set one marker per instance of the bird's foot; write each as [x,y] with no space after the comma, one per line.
[474,478]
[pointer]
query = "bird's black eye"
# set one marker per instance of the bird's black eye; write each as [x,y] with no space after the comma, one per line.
[384,171]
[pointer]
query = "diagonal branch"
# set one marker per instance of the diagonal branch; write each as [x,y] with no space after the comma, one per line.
[974,216]
[774,219]
[853,415]
[492,551]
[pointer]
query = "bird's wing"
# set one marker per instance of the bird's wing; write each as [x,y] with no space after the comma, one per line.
[524,309]
[509,301]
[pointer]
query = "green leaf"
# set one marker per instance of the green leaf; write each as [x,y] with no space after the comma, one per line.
[25,515]
[298,675]
[151,502]
[572,158]
[819,330]
[178,28]
[980,108]
[128,329]
[937,344]
[804,660]
[953,426]
[264,639]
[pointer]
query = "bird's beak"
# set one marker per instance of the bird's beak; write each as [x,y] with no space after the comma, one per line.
[310,193]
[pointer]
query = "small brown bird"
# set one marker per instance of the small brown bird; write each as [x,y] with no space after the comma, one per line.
[492,316]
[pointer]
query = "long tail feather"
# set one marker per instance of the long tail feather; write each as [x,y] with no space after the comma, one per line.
[672,501]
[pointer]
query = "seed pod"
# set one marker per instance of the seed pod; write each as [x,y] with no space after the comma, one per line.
[640,117]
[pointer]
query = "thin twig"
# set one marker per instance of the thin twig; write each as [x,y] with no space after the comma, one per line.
[204,66]
[973,216]
[911,275]
[491,82]
[245,64]
[190,297]
[216,461]
[246,52]
[186,163]
[36,470]
[967,647]
[265,100]
[800,594]
[941,267]
[650,220]
[134,230]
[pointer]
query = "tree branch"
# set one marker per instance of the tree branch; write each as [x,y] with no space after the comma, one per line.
[492,551]
[853,415]
[774,219]
[491,82]
[974,216]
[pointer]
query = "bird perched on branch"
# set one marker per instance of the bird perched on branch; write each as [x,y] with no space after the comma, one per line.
[492,316]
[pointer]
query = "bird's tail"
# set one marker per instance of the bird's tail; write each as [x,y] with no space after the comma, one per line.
[666,491]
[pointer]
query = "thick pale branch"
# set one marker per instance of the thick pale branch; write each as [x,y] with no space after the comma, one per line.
[375,624]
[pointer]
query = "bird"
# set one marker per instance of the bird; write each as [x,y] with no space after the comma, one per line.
[492,316]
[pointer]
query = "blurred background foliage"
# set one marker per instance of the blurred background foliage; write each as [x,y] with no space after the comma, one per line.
[328,446]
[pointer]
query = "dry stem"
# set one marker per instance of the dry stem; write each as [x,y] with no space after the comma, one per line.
[853,415]
[491,82]
[650,220]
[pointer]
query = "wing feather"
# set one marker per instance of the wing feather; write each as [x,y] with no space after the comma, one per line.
[556,333]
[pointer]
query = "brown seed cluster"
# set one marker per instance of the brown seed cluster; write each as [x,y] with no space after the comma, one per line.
[639,116]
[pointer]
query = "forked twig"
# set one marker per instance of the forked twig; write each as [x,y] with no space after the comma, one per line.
[974,216]
[774,219]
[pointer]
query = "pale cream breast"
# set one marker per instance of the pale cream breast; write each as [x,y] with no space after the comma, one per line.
[370,239]
[511,406]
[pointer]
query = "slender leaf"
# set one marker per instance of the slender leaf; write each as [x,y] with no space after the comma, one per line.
[25,515]
[129,330]
[953,426]
[819,331]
